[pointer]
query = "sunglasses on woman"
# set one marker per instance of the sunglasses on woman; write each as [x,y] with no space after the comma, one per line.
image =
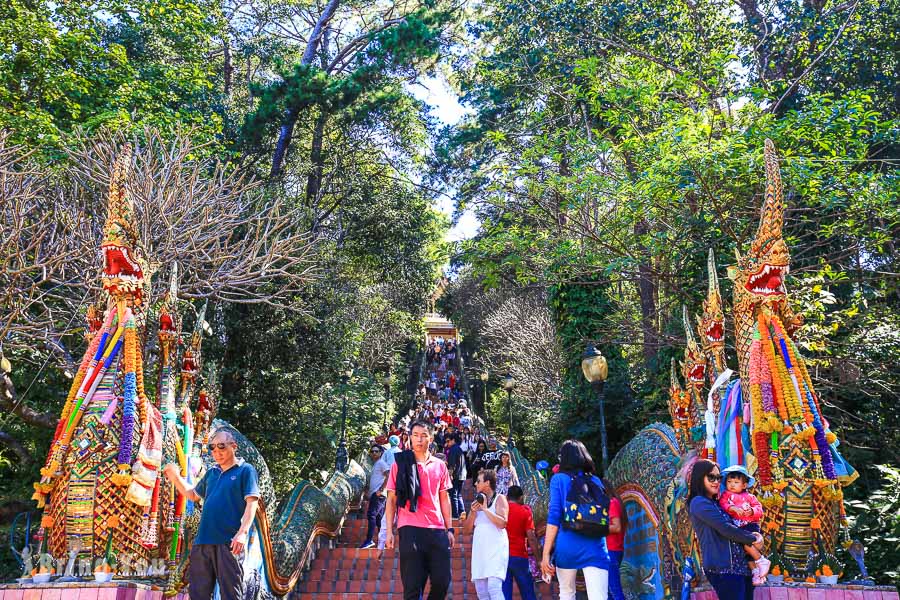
[714,478]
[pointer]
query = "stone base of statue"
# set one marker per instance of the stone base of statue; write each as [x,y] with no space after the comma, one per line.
[87,590]
[810,591]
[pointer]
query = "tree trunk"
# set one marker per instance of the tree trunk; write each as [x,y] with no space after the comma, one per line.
[9,401]
[16,446]
[228,67]
[647,293]
[317,158]
[646,284]
[286,131]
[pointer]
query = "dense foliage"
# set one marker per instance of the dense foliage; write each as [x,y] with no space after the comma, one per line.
[223,75]
[613,143]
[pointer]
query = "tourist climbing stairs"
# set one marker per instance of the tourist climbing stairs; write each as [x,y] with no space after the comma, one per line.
[349,572]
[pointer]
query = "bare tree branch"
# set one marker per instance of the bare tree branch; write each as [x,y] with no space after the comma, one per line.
[791,88]
[9,402]
[233,242]
[16,446]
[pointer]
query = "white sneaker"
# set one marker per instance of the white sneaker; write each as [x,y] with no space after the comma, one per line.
[763,565]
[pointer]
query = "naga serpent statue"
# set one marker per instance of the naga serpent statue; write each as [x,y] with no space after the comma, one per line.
[769,420]
[102,498]
[800,472]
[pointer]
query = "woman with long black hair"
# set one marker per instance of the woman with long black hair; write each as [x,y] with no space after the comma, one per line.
[478,463]
[721,542]
[565,550]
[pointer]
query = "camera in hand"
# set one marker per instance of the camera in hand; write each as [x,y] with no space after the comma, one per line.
[480,498]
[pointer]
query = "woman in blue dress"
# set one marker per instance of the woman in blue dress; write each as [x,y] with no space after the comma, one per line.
[565,551]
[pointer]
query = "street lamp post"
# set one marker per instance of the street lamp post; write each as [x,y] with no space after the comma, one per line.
[509,384]
[387,396]
[342,459]
[484,381]
[595,370]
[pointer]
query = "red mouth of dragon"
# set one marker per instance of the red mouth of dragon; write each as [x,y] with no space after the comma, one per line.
[768,281]
[698,374]
[189,364]
[715,333]
[166,323]
[121,271]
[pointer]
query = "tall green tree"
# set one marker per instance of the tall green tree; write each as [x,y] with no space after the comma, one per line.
[122,64]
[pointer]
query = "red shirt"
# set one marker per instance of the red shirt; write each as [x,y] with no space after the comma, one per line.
[518,523]
[447,418]
[615,541]
[433,478]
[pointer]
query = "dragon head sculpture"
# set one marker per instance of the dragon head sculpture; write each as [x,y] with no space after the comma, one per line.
[169,319]
[762,271]
[680,409]
[94,321]
[694,365]
[190,361]
[123,265]
[711,324]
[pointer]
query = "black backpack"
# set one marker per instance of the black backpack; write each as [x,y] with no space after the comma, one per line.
[586,510]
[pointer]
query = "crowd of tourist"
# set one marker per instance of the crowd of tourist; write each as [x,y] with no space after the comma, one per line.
[421,465]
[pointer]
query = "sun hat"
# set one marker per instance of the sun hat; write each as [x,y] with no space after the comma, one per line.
[738,469]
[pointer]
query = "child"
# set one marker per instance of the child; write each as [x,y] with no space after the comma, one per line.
[747,512]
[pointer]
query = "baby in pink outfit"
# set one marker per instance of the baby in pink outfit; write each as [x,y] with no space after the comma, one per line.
[746,512]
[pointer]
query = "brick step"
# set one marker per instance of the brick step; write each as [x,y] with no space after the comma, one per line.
[363,562]
[456,591]
[353,536]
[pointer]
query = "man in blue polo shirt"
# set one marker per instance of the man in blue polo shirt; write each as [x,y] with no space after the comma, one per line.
[230,494]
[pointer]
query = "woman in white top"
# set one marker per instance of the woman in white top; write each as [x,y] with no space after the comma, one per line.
[490,546]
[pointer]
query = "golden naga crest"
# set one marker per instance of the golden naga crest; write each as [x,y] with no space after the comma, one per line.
[711,324]
[169,318]
[761,273]
[123,263]
[693,369]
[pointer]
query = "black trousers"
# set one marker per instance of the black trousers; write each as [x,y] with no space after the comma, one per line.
[424,554]
[211,564]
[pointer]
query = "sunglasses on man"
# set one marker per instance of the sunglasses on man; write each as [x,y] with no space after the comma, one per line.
[219,446]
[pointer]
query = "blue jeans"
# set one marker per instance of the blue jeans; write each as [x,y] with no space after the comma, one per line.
[456,499]
[517,568]
[731,587]
[374,513]
[615,583]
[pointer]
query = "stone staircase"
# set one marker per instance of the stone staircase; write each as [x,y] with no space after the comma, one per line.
[347,572]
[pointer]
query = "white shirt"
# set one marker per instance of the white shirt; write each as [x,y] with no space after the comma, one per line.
[380,471]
